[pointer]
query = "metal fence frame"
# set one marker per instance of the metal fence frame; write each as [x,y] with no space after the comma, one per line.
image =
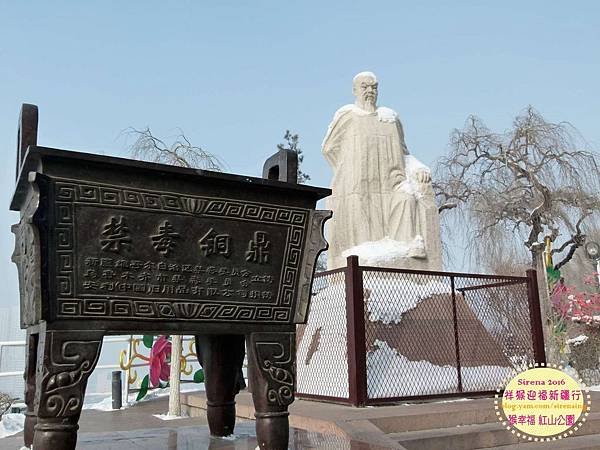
[356,337]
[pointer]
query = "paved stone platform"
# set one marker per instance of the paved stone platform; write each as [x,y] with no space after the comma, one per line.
[453,425]
[464,424]
[198,438]
[136,428]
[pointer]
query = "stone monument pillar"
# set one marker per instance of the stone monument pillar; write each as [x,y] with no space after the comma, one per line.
[383,201]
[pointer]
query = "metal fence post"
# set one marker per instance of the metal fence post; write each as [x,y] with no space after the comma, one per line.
[117,390]
[535,316]
[355,321]
[456,340]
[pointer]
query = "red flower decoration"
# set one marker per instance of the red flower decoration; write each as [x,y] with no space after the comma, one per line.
[159,367]
[576,305]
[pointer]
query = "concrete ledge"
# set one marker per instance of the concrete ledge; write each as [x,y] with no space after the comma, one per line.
[326,418]
[455,424]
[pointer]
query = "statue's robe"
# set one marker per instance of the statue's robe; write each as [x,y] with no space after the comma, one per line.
[371,195]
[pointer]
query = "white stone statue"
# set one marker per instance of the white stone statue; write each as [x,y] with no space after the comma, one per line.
[382,201]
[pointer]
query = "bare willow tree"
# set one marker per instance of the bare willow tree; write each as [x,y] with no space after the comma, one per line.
[536,181]
[181,152]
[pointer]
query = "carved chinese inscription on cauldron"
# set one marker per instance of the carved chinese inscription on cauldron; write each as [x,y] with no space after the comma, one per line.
[124,253]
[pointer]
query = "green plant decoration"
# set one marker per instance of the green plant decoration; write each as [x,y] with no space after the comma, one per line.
[143,388]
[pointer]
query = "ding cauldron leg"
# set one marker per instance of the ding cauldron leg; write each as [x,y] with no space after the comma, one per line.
[271,357]
[65,360]
[29,376]
[221,356]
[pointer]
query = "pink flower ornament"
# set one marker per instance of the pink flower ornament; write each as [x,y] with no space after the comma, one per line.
[159,367]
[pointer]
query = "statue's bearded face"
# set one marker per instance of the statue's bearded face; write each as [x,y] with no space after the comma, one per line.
[365,90]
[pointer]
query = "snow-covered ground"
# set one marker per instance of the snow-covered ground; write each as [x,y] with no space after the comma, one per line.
[11,424]
[387,369]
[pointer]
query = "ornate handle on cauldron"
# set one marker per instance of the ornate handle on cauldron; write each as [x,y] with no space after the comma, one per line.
[315,244]
[27,132]
[282,166]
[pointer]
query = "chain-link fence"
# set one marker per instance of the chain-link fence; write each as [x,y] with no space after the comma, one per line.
[378,335]
[321,350]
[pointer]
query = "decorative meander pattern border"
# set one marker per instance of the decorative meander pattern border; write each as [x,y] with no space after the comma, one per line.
[68,193]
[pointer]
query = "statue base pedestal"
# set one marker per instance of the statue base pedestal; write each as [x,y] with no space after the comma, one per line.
[392,254]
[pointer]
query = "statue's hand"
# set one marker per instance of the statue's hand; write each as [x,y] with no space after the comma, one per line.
[397,178]
[423,176]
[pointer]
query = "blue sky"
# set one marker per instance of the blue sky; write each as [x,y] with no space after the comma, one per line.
[234,75]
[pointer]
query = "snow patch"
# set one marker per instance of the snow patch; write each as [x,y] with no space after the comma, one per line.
[386,250]
[11,423]
[386,114]
[231,437]
[413,165]
[588,320]
[455,400]
[170,417]
[581,339]
[407,294]
[386,368]
[520,362]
